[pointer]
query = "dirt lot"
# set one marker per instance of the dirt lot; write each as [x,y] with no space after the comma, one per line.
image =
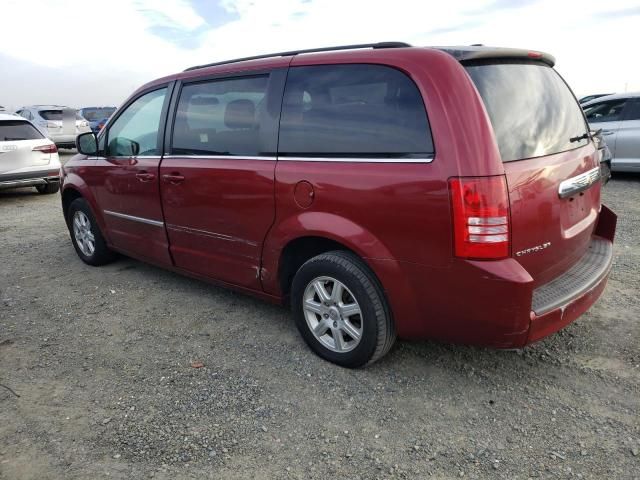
[101,359]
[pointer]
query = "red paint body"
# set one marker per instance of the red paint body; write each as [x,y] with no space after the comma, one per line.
[229,220]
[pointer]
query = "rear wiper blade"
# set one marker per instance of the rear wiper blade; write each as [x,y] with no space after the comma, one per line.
[584,136]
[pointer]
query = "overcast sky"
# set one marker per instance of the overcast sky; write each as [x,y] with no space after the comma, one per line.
[80,53]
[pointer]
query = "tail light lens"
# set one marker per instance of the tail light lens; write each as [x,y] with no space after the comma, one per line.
[46,148]
[480,217]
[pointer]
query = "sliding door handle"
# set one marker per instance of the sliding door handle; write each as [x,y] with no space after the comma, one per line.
[145,177]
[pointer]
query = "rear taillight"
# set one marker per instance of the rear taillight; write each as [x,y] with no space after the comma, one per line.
[480,217]
[46,148]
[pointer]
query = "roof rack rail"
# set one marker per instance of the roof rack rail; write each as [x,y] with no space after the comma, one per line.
[309,50]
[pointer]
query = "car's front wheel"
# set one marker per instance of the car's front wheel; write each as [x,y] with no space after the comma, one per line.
[341,311]
[86,235]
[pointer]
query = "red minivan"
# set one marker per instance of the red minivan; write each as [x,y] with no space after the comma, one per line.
[383,190]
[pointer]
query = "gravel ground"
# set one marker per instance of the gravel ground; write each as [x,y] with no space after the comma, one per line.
[102,359]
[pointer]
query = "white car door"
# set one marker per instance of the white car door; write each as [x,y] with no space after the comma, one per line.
[606,115]
[627,155]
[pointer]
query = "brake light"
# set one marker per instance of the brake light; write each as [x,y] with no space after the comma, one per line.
[51,148]
[480,217]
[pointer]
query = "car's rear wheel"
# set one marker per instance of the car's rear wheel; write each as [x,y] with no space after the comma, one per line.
[49,188]
[341,311]
[86,235]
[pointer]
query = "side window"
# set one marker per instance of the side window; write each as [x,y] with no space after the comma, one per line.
[135,131]
[26,114]
[353,110]
[633,112]
[223,117]
[609,111]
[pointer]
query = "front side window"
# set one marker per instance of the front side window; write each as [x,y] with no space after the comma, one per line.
[610,111]
[222,117]
[532,111]
[135,131]
[353,110]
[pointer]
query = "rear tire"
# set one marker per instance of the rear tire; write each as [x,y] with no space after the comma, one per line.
[86,235]
[341,310]
[49,188]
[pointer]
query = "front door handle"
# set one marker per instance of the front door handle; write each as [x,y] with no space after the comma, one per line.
[174,178]
[608,132]
[145,177]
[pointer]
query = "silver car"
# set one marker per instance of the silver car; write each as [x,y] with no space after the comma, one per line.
[619,118]
[27,157]
[60,124]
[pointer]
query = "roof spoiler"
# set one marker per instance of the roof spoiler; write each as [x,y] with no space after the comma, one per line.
[480,52]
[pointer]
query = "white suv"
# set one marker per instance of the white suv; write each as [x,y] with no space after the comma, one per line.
[27,158]
[60,124]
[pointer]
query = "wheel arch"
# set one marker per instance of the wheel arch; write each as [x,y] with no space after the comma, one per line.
[303,236]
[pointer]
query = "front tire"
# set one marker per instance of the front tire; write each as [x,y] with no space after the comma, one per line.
[341,310]
[86,235]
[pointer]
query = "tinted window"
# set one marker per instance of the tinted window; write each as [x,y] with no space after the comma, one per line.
[349,110]
[609,111]
[633,112]
[138,125]
[18,130]
[532,111]
[56,115]
[96,114]
[222,117]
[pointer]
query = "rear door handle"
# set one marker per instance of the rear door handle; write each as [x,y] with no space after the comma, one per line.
[145,177]
[173,178]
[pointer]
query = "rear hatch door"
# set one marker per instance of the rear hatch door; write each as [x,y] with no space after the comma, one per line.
[551,164]
[17,140]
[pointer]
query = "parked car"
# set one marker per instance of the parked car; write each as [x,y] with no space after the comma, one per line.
[96,116]
[604,155]
[50,120]
[588,98]
[380,190]
[27,157]
[619,118]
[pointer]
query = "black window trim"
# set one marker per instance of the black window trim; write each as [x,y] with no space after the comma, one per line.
[170,86]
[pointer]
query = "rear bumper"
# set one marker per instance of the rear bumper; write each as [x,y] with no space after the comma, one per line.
[494,303]
[30,179]
[565,298]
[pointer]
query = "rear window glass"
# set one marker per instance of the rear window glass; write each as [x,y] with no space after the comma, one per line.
[97,114]
[353,110]
[13,130]
[55,115]
[532,111]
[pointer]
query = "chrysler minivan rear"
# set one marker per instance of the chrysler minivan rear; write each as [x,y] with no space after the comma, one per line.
[547,213]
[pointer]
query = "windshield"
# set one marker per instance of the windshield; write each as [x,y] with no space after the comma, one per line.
[97,114]
[13,130]
[532,111]
[55,115]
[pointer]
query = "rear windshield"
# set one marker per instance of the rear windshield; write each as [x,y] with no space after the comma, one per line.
[55,115]
[532,110]
[97,114]
[13,130]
